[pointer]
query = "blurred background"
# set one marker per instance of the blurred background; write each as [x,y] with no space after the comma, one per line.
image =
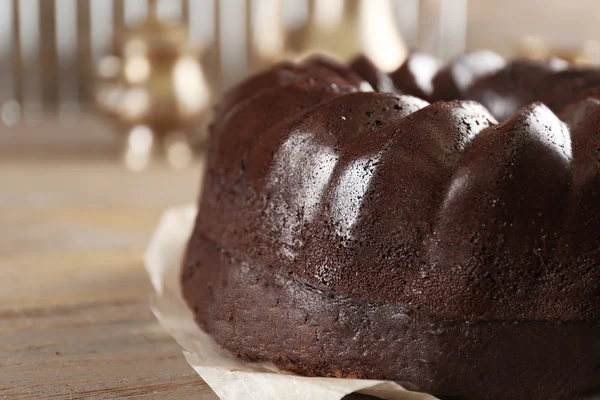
[127,78]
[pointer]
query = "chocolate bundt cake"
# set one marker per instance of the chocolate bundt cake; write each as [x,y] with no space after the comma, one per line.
[351,232]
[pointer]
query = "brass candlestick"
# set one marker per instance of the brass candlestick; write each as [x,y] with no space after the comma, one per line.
[154,88]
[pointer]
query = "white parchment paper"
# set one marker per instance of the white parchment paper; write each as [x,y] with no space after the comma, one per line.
[230,378]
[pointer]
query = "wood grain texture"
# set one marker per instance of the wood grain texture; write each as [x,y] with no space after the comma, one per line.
[74,315]
[98,350]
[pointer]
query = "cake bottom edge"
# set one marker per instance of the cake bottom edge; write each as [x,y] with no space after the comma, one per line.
[261,315]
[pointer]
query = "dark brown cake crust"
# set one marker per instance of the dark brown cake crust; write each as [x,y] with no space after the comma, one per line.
[379,81]
[259,314]
[452,81]
[415,76]
[346,232]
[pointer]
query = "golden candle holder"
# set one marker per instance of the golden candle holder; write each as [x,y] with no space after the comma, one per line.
[154,88]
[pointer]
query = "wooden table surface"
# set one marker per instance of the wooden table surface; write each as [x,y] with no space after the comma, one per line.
[74,315]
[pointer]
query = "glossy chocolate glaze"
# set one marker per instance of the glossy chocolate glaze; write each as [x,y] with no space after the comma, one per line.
[519,83]
[346,232]
[571,86]
[415,76]
[452,81]
[365,68]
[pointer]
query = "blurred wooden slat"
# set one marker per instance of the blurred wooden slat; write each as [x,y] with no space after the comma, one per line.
[48,55]
[212,57]
[185,11]
[119,12]
[217,35]
[312,9]
[17,60]
[135,11]
[152,7]
[407,12]
[428,34]
[84,49]
[66,29]
[249,34]
[453,27]
[118,18]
